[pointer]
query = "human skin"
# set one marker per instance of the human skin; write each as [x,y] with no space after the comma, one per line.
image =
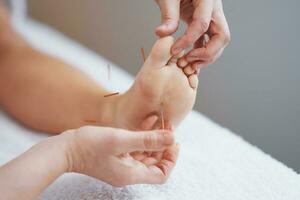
[202,17]
[49,95]
[45,93]
[94,151]
[161,88]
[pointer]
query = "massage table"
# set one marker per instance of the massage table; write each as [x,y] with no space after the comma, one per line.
[214,163]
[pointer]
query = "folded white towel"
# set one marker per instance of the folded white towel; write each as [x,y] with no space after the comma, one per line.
[214,163]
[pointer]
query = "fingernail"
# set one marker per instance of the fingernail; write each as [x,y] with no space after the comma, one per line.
[177,50]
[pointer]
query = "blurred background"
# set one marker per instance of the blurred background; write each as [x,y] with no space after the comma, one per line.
[253,89]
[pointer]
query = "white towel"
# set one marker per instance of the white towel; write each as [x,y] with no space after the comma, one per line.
[213,164]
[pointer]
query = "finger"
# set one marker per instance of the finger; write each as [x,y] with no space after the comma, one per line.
[208,52]
[147,124]
[197,27]
[216,44]
[153,173]
[138,155]
[169,17]
[174,59]
[198,65]
[149,161]
[220,21]
[169,159]
[182,62]
[143,141]
[143,174]
[157,155]
[159,173]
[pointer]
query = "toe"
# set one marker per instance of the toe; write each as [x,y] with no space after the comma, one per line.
[193,80]
[175,58]
[188,70]
[182,62]
[161,51]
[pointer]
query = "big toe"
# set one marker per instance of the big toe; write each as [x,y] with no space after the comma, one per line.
[161,51]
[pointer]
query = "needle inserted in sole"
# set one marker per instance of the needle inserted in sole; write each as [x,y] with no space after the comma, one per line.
[143,54]
[162,119]
[90,121]
[112,94]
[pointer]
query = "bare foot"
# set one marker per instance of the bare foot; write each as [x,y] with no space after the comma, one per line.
[161,91]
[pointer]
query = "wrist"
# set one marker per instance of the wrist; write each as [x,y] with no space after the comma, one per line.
[31,172]
[58,147]
[69,149]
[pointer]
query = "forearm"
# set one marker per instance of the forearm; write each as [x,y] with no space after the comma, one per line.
[49,95]
[29,174]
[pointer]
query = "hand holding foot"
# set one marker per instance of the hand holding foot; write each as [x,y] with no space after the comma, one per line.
[206,23]
[160,86]
[94,151]
[101,153]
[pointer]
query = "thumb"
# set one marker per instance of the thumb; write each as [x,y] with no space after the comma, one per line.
[169,17]
[144,141]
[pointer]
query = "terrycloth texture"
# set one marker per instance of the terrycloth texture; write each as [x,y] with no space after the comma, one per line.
[214,163]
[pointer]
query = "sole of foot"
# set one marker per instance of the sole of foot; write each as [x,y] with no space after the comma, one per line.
[161,89]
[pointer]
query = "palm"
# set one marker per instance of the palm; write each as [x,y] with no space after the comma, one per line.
[160,160]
